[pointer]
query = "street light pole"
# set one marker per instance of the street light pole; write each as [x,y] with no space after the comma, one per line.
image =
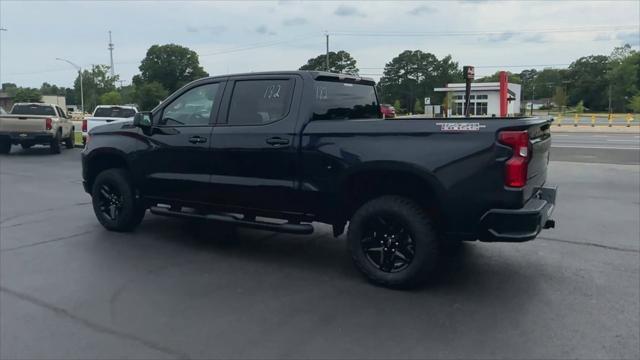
[80,72]
[1,30]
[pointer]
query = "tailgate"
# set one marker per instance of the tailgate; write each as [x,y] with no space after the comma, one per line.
[540,140]
[22,124]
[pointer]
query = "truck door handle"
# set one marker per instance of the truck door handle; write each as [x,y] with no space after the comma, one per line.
[197,139]
[277,141]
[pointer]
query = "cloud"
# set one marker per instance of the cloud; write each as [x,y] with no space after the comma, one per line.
[348,11]
[294,21]
[422,10]
[504,36]
[535,38]
[631,38]
[214,30]
[602,37]
[264,30]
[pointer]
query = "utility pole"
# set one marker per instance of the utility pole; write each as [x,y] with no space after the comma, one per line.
[111,54]
[327,53]
[533,94]
[1,30]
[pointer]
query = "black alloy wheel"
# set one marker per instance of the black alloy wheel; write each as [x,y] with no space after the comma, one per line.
[110,201]
[387,243]
[393,241]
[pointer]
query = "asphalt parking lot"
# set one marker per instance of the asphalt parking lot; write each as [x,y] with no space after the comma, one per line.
[176,289]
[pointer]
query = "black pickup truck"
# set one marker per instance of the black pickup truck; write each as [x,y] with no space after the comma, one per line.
[280,150]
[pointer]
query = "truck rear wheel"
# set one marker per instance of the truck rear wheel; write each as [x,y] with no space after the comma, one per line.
[114,201]
[70,142]
[54,145]
[393,242]
[5,147]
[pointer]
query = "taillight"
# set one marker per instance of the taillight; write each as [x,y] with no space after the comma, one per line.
[84,125]
[515,170]
[48,123]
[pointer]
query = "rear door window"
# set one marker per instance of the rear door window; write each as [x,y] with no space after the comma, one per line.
[344,101]
[33,109]
[259,102]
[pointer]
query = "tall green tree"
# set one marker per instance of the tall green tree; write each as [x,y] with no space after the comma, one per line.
[27,95]
[49,89]
[623,76]
[111,98]
[512,78]
[589,81]
[339,62]
[414,74]
[9,88]
[560,97]
[634,104]
[95,82]
[149,95]
[171,65]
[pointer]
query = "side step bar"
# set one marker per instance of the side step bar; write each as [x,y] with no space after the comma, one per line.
[261,225]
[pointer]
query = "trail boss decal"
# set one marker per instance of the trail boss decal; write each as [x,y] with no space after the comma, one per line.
[460,126]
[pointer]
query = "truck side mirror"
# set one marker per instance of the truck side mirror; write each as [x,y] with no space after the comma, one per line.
[142,120]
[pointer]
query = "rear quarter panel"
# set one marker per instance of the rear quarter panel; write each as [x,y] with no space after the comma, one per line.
[464,168]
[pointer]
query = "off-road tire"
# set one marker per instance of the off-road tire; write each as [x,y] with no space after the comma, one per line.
[417,225]
[70,142]
[54,144]
[130,211]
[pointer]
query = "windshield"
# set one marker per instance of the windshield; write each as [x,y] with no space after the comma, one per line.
[114,111]
[33,109]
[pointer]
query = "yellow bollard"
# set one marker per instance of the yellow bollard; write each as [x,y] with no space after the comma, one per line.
[593,120]
[610,119]
[629,119]
[559,120]
[575,120]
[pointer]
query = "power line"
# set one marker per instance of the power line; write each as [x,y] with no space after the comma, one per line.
[493,32]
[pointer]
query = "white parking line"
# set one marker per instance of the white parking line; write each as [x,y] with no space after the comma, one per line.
[622,140]
[595,147]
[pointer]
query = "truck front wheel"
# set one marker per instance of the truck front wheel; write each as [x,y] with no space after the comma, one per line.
[114,201]
[393,242]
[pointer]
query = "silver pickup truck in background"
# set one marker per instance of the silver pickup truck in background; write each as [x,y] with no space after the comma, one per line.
[30,124]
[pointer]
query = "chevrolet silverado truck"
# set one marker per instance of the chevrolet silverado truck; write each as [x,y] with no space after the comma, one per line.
[280,150]
[104,114]
[29,124]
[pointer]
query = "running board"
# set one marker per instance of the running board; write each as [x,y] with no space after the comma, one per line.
[231,219]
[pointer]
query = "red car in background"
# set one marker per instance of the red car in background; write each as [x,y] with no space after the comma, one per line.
[388,111]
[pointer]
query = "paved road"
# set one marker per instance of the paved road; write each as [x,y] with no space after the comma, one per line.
[621,149]
[597,141]
[172,289]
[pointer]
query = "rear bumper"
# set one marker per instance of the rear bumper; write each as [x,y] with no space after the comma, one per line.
[20,137]
[519,225]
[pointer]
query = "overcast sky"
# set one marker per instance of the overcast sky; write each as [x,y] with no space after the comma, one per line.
[244,36]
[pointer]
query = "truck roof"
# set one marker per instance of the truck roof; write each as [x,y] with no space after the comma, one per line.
[313,73]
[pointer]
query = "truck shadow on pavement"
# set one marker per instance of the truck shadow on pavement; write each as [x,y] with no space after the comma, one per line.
[33,151]
[322,255]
